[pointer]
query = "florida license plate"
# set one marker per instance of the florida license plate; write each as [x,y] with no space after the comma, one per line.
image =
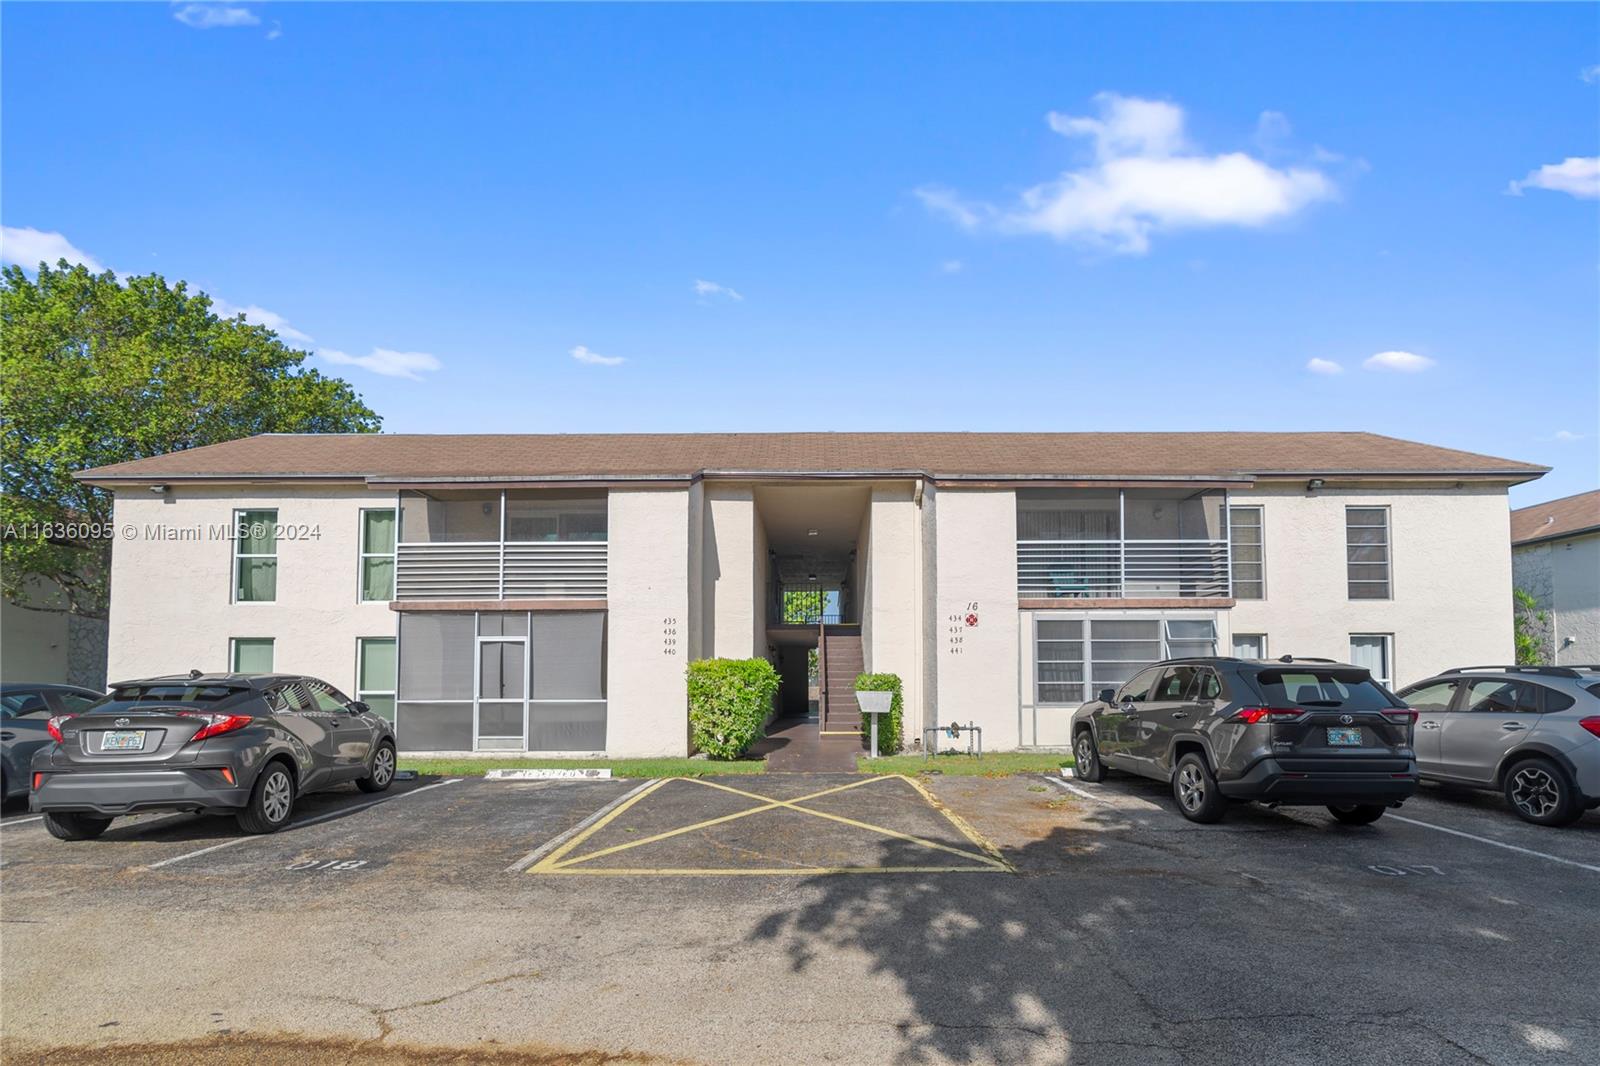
[1344,736]
[122,740]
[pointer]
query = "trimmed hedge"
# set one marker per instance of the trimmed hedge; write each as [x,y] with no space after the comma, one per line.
[889,726]
[729,702]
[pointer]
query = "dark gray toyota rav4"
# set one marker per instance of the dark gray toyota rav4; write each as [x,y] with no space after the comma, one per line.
[243,744]
[1308,732]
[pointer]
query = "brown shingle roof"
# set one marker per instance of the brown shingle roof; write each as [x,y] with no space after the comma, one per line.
[1558,518]
[941,455]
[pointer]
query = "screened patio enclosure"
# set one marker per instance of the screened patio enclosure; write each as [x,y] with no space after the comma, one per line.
[502,680]
[1122,544]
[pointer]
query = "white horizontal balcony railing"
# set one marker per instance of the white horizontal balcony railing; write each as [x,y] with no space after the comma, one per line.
[1122,570]
[490,570]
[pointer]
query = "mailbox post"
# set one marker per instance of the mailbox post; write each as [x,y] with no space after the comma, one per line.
[875,704]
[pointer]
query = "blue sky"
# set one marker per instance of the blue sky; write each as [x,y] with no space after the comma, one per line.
[950,217]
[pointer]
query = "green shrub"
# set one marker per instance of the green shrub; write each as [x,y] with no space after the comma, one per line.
[729,701]
[889,728]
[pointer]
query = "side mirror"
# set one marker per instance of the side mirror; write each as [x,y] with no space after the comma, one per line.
[357,707]
[1107,695]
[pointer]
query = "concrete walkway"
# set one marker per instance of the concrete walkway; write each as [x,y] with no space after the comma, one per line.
[796,745]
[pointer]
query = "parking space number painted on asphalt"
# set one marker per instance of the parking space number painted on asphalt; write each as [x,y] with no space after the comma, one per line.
[324,865]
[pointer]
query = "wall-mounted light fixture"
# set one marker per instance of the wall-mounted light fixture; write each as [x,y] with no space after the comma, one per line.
[811,577]
[1314,484]
[811,532]
[160,490]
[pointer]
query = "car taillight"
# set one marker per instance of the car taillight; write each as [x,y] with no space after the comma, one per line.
[38,779]
[1400,714]
[1252,715]
[1592,725]
[53,727]
[216,724]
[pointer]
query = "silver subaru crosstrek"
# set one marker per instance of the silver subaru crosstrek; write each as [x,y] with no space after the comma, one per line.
[1532,732]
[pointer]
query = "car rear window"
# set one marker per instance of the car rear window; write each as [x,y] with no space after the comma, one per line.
[1300,687]
[171,694]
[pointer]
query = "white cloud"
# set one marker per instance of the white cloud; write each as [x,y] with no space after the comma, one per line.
[1404,362]
[385,361]
[260,316]
[1566,436]
[1145,177]
[711,288]
[1272,129]
[584,355]
[952,266]
[27,248]
[1323,366]
[214,16]
[1590,74]
[1576,175]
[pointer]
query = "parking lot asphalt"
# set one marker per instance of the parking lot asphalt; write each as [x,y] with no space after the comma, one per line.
[800,919]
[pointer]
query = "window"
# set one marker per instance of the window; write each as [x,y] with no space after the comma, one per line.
[1375,652]
[24,705]
[1207,686]
[1248,551]
[1366,537]
[1187,637]
[1138,690]
[1075,658]
[251,655]
[1176,684]
[1058,645]
[1502,697]
[555,517]
[72,703]
[255,556]
[1343,689]
[375,674]
[377,554]
[1249,645]
[1435,697]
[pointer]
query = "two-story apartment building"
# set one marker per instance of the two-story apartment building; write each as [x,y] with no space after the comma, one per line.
[544,593]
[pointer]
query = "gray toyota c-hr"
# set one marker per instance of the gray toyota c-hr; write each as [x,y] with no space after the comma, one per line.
[1280,732]
[242,744]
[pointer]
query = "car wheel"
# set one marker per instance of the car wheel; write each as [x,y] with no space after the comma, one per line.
[1540,792]
[1357,813]
[1196,790]
[382,770]
[66,826]
[1086,764]
[271,801]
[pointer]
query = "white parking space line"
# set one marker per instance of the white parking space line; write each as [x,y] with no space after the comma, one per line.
[1076,791]
[296,825]
[20,821]
[555,842]
[1495,843]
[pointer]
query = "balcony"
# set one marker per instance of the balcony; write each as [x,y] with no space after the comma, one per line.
[501,546]
[1134,544]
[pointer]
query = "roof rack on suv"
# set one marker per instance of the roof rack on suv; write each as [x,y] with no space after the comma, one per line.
[1303,659]
[1547,671]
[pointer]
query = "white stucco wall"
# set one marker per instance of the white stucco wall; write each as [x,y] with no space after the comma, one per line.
[975,545]
[1450,576]
[648,583]
[1564,576]
[728,595]
[890,631]
[170,599]
[33,643]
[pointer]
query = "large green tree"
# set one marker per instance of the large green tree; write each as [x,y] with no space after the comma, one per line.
[96,370]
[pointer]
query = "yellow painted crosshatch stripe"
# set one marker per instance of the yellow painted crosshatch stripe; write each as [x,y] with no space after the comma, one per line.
[991,861]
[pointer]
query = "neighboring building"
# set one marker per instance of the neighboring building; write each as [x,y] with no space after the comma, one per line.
[546,592]
[1555,558]
[50,645]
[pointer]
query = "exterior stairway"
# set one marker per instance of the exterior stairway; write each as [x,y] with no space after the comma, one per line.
[839,662]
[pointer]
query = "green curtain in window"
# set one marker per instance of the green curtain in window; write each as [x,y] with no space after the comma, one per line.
[377,664]
[252,655]
[256,533]
[258,580]
[379,533]
[377,579]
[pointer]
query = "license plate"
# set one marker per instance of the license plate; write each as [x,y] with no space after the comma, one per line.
[1348,737]
[122,740]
